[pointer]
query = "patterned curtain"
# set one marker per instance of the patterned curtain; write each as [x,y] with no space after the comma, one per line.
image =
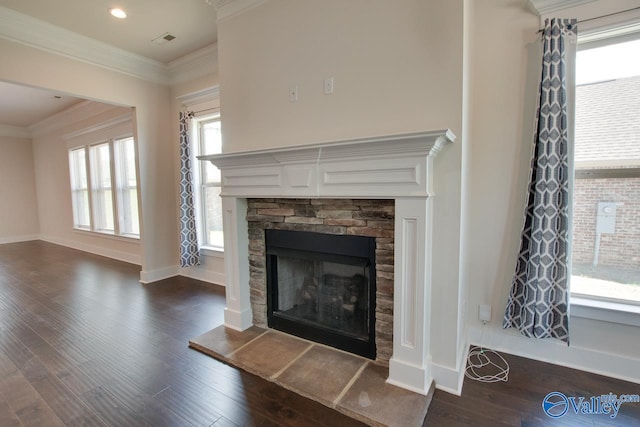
[189,252]
[538,304]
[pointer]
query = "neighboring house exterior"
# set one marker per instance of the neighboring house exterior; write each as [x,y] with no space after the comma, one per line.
[607,139]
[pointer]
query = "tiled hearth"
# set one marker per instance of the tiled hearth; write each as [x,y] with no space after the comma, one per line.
[397,168]
[350,384]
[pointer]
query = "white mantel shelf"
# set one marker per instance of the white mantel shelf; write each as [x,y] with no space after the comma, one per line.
[380,167]
[398,167]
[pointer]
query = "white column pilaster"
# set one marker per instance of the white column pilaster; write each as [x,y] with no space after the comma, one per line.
[237,314]
[409,366]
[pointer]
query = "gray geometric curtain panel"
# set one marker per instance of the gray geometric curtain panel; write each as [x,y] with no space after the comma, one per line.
[189,252]
[538,304]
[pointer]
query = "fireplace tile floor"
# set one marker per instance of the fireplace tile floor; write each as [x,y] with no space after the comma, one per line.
[350,384]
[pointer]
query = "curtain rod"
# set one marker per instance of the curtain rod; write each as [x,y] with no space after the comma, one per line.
[601,16]
[186,109]
[202,111]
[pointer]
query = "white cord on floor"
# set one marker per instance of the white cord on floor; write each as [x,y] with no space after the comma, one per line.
[480,358]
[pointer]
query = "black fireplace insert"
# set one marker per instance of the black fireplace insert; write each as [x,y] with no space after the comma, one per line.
[322,287]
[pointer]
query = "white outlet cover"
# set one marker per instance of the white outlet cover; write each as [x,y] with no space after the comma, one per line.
[484,313]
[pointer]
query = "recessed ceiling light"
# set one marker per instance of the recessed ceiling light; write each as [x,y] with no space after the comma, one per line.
[118,13]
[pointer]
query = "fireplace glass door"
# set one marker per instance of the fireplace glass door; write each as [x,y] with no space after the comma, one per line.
[322,288]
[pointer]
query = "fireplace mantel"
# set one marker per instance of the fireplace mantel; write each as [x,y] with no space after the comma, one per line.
[395,167]
[382,167]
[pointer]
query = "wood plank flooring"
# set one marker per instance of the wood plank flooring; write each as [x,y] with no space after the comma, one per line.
[83,343]
[518,402]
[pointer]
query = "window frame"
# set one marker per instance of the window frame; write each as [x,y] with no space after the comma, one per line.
[98,174]
[197,142]
[118,170]
[91,171]
[81,161]
[587,306]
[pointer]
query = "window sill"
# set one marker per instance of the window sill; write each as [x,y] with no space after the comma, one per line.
[122,238]
[212,251]
[621,312]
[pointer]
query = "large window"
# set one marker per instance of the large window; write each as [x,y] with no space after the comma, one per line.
[606,210]
[80,188]
[207,140]
[102,195]
[104,187]
[126,186]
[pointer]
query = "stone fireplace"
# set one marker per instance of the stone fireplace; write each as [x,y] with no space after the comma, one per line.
[396,170]
[334,224]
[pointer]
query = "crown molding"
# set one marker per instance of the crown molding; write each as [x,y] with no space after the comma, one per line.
[193,65]
[33,32]
[15,131]
[195,98]
[543,7]
[228,8]
[122,118]
[74,114]
[24,29]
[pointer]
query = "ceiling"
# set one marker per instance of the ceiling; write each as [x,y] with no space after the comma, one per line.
[191,22]
[23,106]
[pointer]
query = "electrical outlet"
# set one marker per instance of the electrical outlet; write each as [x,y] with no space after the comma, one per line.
[328,86]
[484,312]
[293,93]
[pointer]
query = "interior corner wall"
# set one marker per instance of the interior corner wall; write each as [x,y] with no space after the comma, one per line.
[465,212]
[397,68]
[506,71]
[18,204]
[23,64]
[504,86]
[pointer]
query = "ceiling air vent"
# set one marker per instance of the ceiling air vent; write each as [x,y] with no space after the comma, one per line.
[164,38]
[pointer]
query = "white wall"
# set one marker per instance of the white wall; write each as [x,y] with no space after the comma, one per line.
[398,67]
[18,206]
[26,65]
[505,72]
[51,143]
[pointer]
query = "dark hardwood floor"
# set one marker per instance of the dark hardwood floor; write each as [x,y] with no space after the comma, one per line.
[518,402]
[83,343]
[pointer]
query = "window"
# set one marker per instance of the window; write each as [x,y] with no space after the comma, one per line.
[127,186]
[606,209]
[102,196]
[95,171]
[79,188]
[207,140]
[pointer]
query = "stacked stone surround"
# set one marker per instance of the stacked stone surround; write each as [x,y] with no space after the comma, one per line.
[367,217]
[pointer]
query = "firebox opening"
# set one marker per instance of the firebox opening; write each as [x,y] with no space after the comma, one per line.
[322,287]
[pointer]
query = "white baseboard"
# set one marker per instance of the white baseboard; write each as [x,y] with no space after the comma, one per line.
[208,276]
[18,239]
[150,276]
[551,351]
[97,250]
[451,379]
